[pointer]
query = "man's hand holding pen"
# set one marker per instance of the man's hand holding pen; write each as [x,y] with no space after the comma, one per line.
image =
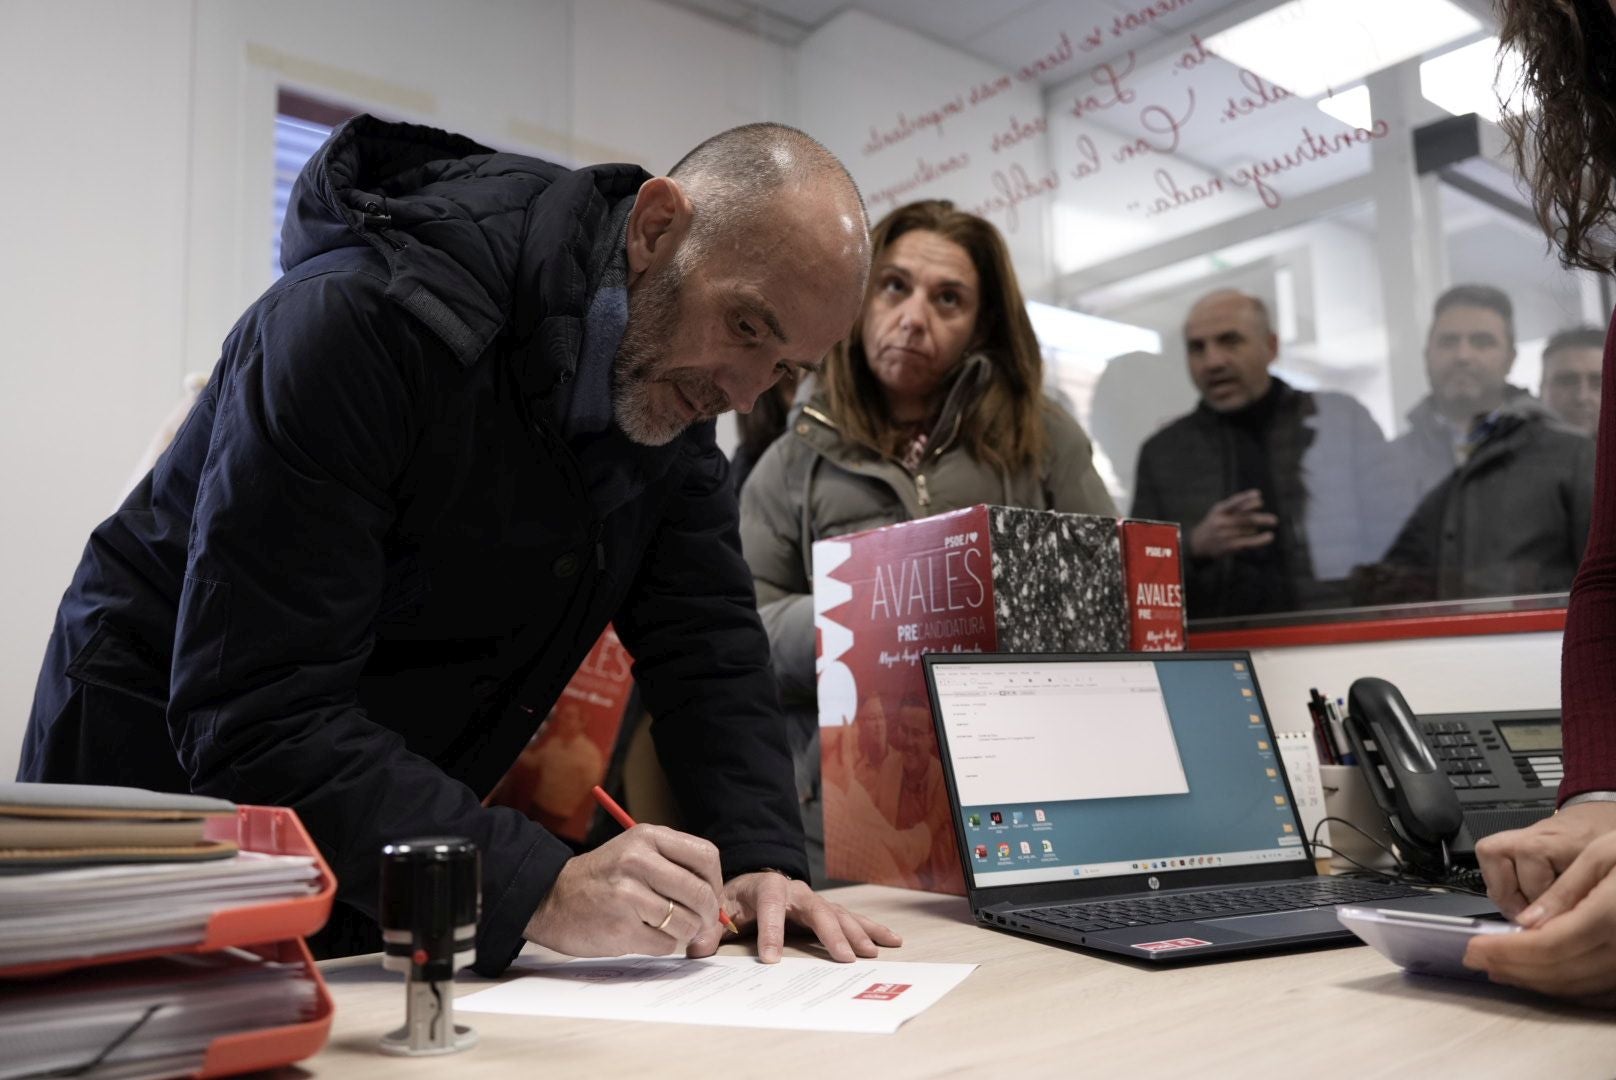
[654,890]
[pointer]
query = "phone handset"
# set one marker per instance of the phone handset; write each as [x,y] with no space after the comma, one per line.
[1403,775]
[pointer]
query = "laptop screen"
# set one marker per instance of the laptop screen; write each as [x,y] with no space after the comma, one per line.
[1101,766]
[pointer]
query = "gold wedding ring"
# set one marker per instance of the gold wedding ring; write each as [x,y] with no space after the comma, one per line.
[666,917]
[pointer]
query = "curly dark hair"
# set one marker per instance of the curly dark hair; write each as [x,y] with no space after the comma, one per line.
[1566,149]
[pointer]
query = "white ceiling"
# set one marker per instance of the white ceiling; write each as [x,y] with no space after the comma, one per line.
[1006,33]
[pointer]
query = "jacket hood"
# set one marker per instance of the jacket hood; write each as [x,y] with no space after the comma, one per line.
[458,224]
[1518,403]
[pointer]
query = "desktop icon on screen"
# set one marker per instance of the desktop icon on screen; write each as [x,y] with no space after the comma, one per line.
[1262,744]
[976,821]
[1015,817]
[1279,800]
[1245,691]
[1272,773]
[1239,666]
[1049,849]
[1004,851]
[1255,719]
[996,817]
[1038,815]
[981,851]
[1288,827]
[1026,848]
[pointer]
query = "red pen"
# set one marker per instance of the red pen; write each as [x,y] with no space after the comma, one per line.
[622,818]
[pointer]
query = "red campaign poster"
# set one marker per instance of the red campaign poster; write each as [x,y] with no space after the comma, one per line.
[981,579]
[1155,584]
[551,778]
[882,599]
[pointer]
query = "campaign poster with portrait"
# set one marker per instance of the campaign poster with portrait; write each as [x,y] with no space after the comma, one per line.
[568,755]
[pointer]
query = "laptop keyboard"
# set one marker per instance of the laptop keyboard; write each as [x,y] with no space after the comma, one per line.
[1192,906]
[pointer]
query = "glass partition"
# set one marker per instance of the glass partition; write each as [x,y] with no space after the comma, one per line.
[1329,172]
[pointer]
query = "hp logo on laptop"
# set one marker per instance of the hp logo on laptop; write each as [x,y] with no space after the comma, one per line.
[1153,881]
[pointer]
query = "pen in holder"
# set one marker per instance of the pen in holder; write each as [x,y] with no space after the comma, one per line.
[430,902]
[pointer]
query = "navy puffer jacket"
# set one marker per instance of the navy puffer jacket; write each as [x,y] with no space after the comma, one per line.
[368,559]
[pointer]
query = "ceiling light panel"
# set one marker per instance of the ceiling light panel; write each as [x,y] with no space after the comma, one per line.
[1313,46]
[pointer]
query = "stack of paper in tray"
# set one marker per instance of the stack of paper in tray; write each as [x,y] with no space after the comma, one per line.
[91,871]
[107,896]
[100,910]
[153,1018]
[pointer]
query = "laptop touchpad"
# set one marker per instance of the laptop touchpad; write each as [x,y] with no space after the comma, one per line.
[1270,924]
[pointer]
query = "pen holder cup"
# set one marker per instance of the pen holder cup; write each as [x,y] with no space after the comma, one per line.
[1346,796]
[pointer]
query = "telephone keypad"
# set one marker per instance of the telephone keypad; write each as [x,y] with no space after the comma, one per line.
[1455,747]
[1477,761]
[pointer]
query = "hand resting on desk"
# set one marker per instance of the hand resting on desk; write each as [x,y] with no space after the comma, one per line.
[1569,946]
[771,900]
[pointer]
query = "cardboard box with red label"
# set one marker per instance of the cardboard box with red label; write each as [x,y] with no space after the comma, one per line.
[983,579]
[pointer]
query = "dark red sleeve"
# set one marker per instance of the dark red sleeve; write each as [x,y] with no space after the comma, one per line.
[1588,663]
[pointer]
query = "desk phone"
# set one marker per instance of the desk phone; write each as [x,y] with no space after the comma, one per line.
[1447,780]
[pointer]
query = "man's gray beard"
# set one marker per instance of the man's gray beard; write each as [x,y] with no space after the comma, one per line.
[653,311]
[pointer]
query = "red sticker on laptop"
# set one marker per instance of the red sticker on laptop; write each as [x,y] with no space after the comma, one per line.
[1171,943]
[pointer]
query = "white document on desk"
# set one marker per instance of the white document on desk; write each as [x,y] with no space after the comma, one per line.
[874,996]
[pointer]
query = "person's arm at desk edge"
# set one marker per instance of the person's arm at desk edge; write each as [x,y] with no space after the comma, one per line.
[1555,876]
[702,661]
[1569,946]
[319,395]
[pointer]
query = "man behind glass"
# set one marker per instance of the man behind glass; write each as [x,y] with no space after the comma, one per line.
[1502,489]
[1269,482]
[1572,378]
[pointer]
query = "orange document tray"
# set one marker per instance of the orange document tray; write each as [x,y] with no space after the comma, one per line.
[274,830]
[269,1048]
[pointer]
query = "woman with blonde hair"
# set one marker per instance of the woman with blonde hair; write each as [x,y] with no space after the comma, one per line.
[933,403]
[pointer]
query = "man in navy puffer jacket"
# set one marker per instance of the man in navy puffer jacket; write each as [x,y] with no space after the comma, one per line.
[470,426]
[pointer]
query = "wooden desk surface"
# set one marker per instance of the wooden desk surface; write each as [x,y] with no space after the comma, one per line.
[1036,1010]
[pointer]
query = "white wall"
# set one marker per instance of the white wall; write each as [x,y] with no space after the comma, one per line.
[139,199]
[1469,674]
[92,297]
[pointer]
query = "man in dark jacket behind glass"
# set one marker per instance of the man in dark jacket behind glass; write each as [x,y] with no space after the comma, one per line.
[470,426]
[1271,484]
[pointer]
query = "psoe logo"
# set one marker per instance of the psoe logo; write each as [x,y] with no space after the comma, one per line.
[882,992]
[838,691]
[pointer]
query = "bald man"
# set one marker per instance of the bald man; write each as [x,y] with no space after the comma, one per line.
[472,424]
[1270,484]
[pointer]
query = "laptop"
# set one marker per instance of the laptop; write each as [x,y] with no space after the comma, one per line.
[1136,803]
